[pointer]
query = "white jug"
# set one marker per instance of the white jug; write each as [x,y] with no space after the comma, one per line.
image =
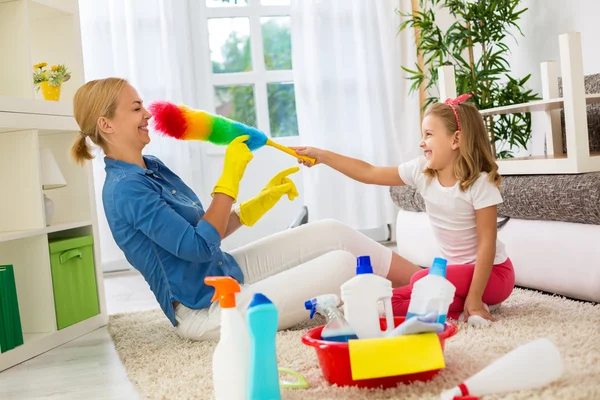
[432,294]
[361,295]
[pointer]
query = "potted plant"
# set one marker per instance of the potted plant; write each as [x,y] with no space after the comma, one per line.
[50,80]
[475,44]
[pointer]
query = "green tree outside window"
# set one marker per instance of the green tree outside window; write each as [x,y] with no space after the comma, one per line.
[237,102]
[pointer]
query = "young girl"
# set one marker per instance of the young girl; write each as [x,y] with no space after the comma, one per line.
[459,181]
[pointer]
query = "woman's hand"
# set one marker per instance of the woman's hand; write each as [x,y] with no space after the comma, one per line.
[237,157]
[474,306]
[253,210]
[280,180]
[313,152]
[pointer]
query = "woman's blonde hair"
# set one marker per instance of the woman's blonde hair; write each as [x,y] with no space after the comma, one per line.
[93,100]
[475,152]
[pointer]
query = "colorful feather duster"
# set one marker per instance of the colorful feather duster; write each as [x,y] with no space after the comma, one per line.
[184,123]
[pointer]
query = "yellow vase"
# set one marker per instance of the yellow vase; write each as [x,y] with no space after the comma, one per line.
[50,92]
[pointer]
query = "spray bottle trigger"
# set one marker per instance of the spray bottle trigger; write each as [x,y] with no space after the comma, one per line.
[312,306]
[225,289]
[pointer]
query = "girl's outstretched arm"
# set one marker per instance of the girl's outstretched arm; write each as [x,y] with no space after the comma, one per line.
[486,252]
[353,168]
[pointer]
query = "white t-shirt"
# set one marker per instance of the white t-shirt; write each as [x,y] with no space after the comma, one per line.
[452,211]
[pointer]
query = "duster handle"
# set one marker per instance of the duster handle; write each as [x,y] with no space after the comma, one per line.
[290,151]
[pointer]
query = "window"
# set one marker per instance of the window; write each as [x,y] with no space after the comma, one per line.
[250,50]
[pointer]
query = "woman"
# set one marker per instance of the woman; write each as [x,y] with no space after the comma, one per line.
[165,233]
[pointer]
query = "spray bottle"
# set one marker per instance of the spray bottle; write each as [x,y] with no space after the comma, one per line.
[230,358]
[262,318]
[337,328]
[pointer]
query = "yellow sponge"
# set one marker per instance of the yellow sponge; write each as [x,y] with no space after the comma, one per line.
[400,355]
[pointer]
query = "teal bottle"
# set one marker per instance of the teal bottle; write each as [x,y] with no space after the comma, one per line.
[262,319]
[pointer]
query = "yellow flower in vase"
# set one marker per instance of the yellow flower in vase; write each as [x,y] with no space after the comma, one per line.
[50,81]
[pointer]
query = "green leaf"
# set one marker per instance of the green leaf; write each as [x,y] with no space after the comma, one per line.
[410,71]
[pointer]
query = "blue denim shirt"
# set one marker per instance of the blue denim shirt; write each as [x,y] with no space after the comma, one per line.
[156,220]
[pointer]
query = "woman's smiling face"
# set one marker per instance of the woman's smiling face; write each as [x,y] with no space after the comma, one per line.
[129,127]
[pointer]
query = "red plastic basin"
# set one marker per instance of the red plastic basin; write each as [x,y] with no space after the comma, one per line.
[334,359]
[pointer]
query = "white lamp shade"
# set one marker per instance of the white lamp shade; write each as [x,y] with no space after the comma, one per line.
[52,178]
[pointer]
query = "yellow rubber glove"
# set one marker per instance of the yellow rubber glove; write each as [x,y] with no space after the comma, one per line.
[237,157]
[253,210]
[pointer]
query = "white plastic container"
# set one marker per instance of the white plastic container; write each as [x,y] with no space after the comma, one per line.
[529,366]
[230,362]
[361,296]
[432,294]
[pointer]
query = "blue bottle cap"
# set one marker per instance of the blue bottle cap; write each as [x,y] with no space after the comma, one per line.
[312,306]
[363,265]
[258,300]
[438,267]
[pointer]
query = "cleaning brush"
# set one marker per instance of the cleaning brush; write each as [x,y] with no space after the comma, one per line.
[184,123]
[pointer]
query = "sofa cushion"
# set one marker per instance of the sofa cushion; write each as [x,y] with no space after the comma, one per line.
[566,198]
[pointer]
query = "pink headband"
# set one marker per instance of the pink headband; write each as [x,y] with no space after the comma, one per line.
[456,101]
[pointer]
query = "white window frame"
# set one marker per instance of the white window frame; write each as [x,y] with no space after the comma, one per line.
[259,77]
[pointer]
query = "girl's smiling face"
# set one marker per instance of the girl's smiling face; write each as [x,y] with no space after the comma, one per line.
[439,145]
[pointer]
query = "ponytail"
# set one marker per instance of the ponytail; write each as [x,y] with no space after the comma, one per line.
[81,150]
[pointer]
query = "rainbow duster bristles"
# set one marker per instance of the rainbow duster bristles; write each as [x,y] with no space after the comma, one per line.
[183,123]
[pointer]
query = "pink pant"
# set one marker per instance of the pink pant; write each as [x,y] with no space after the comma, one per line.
[499,287]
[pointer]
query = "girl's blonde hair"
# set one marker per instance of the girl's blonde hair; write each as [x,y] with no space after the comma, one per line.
[93,100]
[475,153]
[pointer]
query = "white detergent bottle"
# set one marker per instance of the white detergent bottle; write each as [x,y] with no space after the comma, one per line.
[361,296]
[230,362]
[432,294]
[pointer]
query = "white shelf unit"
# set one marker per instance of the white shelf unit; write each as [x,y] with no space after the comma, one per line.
[578,158]
[33,31]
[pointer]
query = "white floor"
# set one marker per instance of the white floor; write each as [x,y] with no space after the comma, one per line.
[88,367]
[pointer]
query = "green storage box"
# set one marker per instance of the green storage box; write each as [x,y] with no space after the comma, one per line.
[11,333]
[73,280]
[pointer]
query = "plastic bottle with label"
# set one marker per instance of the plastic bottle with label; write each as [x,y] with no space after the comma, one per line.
[432,294]
[361,296]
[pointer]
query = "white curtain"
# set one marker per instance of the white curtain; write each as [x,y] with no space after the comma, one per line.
[148,43]
[352,98]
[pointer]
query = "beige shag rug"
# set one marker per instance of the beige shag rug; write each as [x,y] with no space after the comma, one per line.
[163,366]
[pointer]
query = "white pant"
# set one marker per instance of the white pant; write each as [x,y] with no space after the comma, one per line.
[289,268]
